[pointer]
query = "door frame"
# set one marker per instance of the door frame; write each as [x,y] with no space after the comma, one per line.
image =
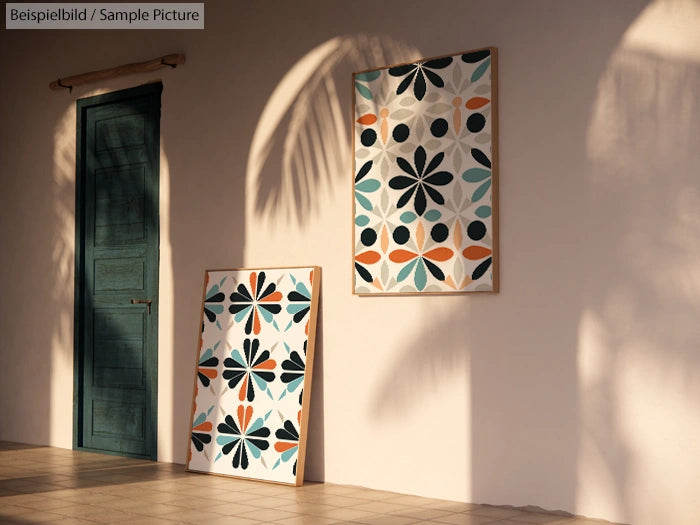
[82,105]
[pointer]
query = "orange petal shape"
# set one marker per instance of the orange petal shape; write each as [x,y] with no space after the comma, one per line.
[400,256]
[204,427]
[420,236]
[377,284]
[209,372]
[465,282]
[266,365]
[273,297]
[367,119]
[253,282]
[474,253]
[241,395]
[477,102]
[256,322]
[439,254]
[248,416]
[369,257]
[449,282]
[458,234]
[385,239]
[282,447]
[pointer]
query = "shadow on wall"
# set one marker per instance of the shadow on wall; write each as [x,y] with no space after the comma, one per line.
[300,151]
[528,416]
[639,369]
[302,139]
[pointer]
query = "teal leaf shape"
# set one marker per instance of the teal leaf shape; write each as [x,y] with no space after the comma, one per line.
[363,90]
[476,175]
[479,71]
[483,212]
[481,191]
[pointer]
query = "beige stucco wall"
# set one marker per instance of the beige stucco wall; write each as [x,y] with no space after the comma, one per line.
[577,387]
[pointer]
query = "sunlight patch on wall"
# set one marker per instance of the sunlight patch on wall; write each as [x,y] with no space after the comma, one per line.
[63,259]
[639,369]
[166,328]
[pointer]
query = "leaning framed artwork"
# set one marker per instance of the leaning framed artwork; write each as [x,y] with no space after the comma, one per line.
[426,176]
[253,371]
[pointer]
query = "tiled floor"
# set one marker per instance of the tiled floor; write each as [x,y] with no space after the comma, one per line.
[57,486]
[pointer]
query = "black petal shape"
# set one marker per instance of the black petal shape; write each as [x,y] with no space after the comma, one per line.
[406,166]
[434,194]
[419,158]
[434,163]
[434,270]
[216,298]
[405,83]
[240,458]
[403,200]
[419,86]
[477,56]
[401,182]
[438,63]
[212,361]
[420,201]
[400,71]
[288,433]
[228,447]
[434,78]
[296,296]
[481,157]
[481,269]
[439,179]
[204,379]
[364,170]
[364,273]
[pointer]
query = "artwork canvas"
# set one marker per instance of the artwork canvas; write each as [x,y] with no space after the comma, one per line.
[253,373]
[425,169]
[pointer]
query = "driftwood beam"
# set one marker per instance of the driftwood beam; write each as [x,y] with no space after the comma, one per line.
[127,69]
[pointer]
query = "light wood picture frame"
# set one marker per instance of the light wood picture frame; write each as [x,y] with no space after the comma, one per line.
[252,385]
[425,168]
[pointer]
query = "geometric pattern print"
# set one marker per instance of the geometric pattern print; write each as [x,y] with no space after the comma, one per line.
[424,160]
[253,373]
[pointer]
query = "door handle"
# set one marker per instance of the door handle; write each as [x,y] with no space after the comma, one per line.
[143,301]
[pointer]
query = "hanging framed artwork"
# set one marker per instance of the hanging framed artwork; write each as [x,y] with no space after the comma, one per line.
[253,373]
[426,176]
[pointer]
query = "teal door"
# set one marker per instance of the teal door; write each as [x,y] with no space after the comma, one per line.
[117,238]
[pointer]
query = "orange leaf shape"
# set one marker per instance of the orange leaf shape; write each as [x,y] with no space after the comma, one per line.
[281,447]
[474,253]
[385,239]
[248,415]
[449,282]
[477,102]
[400,256]
[209,372]
[420,236]
[253,282]
[256,322]
[439,254]
[273,297]
[465,282]
[377,284]
[458,234]
[367,119]
[369,257]
[204,427]
[241,396]
[266,365]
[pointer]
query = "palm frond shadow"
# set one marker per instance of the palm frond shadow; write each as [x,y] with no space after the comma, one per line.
[302,140]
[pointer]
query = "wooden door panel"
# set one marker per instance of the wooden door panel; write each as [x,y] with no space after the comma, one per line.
[118,264]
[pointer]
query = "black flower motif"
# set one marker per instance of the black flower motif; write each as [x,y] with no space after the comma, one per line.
[420,71]
[420,180]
